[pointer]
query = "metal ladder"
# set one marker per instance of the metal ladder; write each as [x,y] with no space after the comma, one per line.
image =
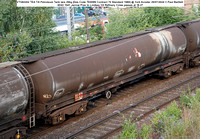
[31,89]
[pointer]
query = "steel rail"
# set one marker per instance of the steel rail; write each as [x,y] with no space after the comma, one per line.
[132,106]
[145,114]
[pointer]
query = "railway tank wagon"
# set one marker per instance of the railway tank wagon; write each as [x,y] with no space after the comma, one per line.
[62,78]
[191,30]
[59,83]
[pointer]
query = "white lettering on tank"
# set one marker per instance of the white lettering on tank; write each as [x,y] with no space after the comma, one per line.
[131,68]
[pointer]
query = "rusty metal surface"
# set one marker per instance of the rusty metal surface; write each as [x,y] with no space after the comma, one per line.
[13,92]
[72,72]
[176,42]
[192,33]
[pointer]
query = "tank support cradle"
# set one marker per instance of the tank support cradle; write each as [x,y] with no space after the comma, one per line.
[167,72]
[59,115]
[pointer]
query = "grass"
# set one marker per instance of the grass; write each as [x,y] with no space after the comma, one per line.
[176,121]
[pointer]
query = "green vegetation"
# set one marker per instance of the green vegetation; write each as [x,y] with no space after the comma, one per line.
[27,31]
[175,122]
[96,31]
[132,20]
[24,30]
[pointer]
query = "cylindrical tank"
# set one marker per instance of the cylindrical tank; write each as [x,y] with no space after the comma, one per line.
[192,33]
[72,72]
[13,92]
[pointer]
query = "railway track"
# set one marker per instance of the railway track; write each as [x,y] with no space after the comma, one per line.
[113,123]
